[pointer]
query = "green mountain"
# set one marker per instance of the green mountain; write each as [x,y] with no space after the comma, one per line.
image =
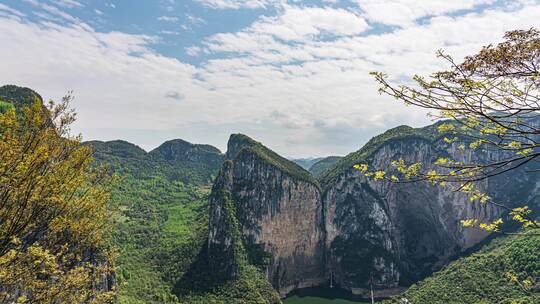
[306,163]
[239,143]
[323,164]
[176,160]
[505,271]
[160,213]
[316,165]
[255,191]
[18,96]
[193,225]
[354,230]
[396,134]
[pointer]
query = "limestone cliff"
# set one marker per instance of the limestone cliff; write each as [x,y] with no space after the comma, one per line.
[278,207]
[347,230]
[395,234]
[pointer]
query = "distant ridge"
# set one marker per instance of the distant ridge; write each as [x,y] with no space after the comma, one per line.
[176,159]
[323,164]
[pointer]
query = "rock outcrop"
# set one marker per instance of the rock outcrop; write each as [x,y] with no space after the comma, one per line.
[279,212]
[393,234]
[348,230]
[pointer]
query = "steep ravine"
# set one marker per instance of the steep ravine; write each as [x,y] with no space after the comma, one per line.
[345,229]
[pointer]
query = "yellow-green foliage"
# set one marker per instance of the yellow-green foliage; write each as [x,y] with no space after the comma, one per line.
[360,157]
[491,101]
[5,106]
[507,271]
[53,211]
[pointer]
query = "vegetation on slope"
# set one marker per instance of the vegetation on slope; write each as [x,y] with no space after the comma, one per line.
[161,223]
[318,168]
[241,142]
[53,208]
[306,163]
[161,218]
[429,133]
[18,96]
[190,163]
[174,160]
[4,106]
[251,287]
[237,281]
[505,271]
[161,226]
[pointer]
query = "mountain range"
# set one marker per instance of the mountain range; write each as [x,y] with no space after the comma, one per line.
[195,225]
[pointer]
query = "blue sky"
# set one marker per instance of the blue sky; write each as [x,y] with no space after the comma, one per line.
[292,74]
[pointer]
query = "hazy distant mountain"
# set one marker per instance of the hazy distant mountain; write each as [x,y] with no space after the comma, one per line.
[323,164]
[306,163]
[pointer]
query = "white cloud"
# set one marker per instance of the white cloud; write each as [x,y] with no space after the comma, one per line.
[108,71]
[405,12]
[68,3]
[173,33]
[298,23]
[10,10]
[191,22]
[193,51]
[328,81]
[294,24]
[168,18]
[52,10]
[281,79]
[236,4]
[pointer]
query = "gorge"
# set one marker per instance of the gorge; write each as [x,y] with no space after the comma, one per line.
[344,229]
[194,225]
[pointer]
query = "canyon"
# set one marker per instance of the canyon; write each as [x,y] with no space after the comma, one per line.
[344,229]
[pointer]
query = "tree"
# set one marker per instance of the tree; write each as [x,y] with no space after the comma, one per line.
[53,210]
[490,101]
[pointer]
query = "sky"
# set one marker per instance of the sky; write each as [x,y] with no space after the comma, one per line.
[292,74]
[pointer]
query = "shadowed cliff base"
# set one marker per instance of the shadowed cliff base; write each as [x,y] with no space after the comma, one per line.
[201,285]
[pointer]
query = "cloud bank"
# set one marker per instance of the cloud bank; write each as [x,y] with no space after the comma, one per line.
[297,81]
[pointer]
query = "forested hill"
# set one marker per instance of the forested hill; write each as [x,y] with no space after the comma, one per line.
[289,229]
[160,213]
[316,165]
[306,163]
[18,96]
[176,160]
[323,164]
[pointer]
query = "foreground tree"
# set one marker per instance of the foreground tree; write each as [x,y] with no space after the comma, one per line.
[53,210]
[490,102]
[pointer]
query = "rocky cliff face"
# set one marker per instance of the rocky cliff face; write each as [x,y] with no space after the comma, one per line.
[279,214]
[355,232]
[395,234]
